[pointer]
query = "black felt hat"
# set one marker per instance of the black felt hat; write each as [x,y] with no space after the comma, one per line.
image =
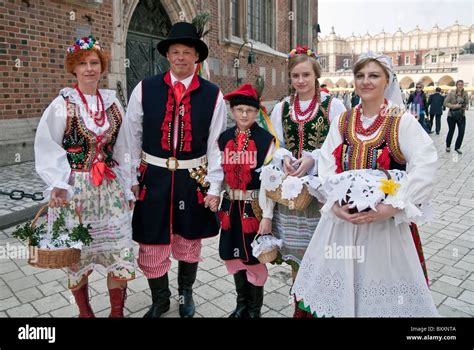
[184,33]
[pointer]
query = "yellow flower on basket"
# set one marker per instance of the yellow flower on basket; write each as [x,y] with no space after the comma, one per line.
[389,186]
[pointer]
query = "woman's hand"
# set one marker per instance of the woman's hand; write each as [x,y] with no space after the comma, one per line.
[383,212]
[265,226]
[302,166]
[342,212]
[58,198]
[288,165]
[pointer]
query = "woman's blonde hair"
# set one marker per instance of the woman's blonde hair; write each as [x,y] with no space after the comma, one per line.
[297,59]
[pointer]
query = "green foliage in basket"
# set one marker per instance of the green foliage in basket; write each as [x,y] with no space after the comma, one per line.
[79,233]
[29,234]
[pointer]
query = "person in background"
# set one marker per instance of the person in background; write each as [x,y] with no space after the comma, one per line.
[418,104]
[324,88]
[457,102]
[435,107]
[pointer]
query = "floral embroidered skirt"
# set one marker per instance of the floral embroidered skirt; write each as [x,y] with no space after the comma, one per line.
[295,228]
[106,210]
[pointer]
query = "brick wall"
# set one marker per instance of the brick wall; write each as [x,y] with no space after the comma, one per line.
[225,76]
[33,41]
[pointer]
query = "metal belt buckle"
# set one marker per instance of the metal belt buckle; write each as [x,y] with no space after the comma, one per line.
[172,163]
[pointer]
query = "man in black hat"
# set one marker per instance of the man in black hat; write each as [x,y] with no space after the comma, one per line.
[173,122]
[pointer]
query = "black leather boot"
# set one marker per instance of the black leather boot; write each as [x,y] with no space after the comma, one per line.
[254,300]
[186,277]
[241,311]
[160,294]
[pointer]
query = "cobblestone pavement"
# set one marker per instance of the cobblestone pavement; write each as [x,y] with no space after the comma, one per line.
[448,244]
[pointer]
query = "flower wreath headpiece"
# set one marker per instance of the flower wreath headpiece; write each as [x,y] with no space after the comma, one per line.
[302,50]
[84,43]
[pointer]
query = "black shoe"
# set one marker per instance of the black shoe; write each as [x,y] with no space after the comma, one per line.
[160,294]
[186,277]
[254,300]
[240,279]
[458,150]
[430,132]
[448,149]
[437,133]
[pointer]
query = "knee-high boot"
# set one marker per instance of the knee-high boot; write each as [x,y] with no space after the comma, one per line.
[254,300]
[82,300]
[160,294]
[186,277]
[240,279]
[117,301]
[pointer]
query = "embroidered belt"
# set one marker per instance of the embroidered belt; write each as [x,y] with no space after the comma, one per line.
[172,163]
[239,195]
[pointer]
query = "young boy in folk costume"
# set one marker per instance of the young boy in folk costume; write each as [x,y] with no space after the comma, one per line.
[246,147]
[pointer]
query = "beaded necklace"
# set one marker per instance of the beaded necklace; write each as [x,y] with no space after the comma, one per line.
[99,116]
[359,128]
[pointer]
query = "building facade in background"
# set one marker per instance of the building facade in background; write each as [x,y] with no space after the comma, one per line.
[35,34]
[436,57]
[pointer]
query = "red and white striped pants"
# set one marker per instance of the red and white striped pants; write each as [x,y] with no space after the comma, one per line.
[256,274]
[154,259]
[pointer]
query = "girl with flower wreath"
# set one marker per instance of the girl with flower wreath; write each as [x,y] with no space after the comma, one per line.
[81,154]
[388,280]
[301,122]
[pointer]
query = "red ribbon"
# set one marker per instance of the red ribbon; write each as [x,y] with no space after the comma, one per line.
[100,171]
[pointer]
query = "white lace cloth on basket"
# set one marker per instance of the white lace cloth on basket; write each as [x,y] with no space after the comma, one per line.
[362,187]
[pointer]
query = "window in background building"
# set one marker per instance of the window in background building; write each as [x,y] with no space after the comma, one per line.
[434,59]
[302,22]
[259,21]
[234,17]
[454,57]
[407,60]
[322,61]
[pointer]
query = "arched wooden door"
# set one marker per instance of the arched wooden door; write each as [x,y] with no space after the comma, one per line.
[148,26]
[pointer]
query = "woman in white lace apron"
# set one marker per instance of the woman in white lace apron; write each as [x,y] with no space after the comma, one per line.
[387,279]
[301,123]
[81,154]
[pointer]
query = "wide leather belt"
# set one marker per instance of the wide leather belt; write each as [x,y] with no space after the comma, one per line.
[172,163]
[239,195]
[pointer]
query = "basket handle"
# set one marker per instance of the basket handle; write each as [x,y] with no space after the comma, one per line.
[259,234]
[44,207]
[387,174]
[38,214]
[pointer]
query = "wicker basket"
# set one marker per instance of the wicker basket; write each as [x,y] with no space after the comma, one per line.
[52,259]
[299,203]
[269,256]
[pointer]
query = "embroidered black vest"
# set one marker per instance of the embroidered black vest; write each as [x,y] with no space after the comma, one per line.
[305,135]
[82,145]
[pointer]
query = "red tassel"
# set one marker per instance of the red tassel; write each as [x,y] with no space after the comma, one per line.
[224,218]
[187,136]
[142,194]
[250,225]
[338,157]
[383,159]
[200,197]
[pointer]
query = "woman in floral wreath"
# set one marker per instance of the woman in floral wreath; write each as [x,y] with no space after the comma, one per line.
[301,122]
[388,280]
[81,154]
